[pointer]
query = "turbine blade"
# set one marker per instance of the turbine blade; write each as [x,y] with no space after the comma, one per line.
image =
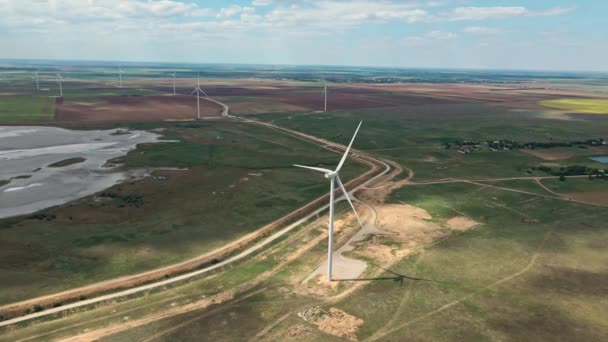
[193,91]
[348,148]
[320,169]
[349,201]
[202,91]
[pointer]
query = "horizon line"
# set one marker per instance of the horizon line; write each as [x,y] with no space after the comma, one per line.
[309,65]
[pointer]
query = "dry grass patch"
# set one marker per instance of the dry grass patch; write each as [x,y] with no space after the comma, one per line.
[461,223]
[550,154]
[409,223]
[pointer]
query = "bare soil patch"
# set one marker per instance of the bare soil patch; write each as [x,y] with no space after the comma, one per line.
[461,223]
[341,324]
[299,331]
[334,322]
[383,253]
[595,197]
[550,154]
[135,108]
[408,222]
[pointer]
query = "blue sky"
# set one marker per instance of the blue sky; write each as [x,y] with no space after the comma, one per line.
[540,34]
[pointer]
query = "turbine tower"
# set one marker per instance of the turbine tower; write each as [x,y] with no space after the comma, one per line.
[333,179]
[325,95]
[37,82]
[120,75]
[173,83]
[60,81]
[198,92]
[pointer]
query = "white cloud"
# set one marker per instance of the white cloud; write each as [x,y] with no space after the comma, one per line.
[482,30]
[441,35]
[413,41]
[554,11]
[500,12]
[484,13]
[261,2]
[233,10]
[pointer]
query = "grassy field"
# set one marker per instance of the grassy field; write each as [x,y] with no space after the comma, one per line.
[266,306]
[505,280]
[239,178]
[576,185]
[590,106]
[26,109]
[508,279]
[414,136]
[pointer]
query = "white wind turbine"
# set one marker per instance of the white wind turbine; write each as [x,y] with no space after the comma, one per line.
[37,82]
[120,76]
[60,81]
[325,95]
[198,92]
[333,179]
[173,83]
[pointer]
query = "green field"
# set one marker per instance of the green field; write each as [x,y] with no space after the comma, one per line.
[576,185]
[26,109]
[506,279]
[239,178]
[589,106]
[414,136]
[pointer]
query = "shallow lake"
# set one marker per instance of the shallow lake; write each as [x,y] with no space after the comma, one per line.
[601,159]
[41,167]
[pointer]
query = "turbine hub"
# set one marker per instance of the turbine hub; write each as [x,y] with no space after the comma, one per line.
[331,175]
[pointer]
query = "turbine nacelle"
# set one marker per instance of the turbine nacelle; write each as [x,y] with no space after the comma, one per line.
[330,175]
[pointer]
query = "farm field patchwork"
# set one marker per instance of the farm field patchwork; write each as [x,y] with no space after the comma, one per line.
[416,136]
[133,109]
[520,263]
[590,106]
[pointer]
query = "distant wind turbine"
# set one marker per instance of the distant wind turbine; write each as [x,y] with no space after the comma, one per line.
[173,83]
[120,75]
[198,92]
[333,179]
[60,81]
[325,95]
[37,82]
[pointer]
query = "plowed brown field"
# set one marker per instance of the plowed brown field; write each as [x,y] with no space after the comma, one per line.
[134,108]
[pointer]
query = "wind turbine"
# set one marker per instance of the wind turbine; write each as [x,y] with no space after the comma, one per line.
[198,92]
[325,95]
[333,179]
[37,82]
[120,75]
[60,81]
[173,83]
